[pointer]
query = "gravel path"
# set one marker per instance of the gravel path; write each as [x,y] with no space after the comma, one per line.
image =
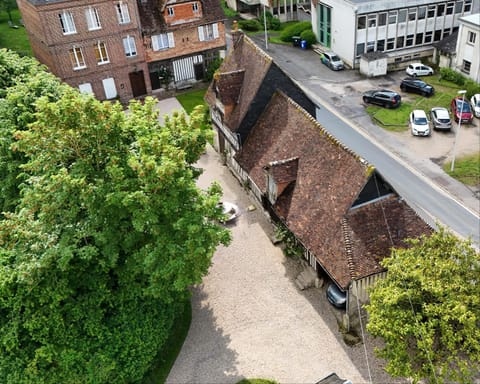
[250,319]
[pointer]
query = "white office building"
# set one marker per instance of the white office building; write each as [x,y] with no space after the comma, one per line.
[404,29]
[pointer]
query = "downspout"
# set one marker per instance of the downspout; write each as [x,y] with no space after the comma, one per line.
[355,38]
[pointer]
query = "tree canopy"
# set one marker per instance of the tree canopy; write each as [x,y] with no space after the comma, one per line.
[427,310]
[107,233]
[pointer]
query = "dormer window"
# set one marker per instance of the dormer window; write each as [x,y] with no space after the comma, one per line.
[195,7]
[170,11]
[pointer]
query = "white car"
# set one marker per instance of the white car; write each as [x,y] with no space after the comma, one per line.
[419,69]
[475,102]
[419,123]
[229,210]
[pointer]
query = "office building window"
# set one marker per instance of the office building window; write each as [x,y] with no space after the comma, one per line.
[372,21]
[67,23]
[422,12]
[441,9]
[458,6]
[101,53]
[361,22]
[419,39]
[402,15]
[382,19]
[409,40]
[392,17]
[390,43]
[468,6]
[450,6]
[93,22]
[428,37]
[129,46]
[400,41]
[466,66]
[76,56]
[360,49]
[122,13]
[431,11]
[381,45]
[412,14]
[438,35]
[472,36]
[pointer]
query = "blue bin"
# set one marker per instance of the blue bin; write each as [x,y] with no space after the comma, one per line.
[303,44]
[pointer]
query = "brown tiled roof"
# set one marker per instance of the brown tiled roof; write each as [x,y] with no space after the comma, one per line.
[228,86]
[329,179]
[373,229]
[255,63]
[152,20]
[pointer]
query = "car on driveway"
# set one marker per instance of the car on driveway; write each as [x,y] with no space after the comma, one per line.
[461,110]
[383,97]
[416,86]
[331,60]
[336,296]
[419,123]
[475,103]
[419,69]
[440,119]
[229,210]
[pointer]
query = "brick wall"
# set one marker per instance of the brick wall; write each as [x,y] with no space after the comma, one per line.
[182,13]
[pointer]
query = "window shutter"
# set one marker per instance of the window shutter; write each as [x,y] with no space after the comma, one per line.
[155,45]
[171,40]
[215,30]
[201,36]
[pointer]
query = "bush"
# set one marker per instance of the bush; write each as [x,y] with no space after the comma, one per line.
[295,30]
[250,25]
[309,37]
[453,76]
[273,23]
[212,67]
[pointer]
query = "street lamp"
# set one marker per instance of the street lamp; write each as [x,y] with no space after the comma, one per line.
[462,92]
[265,26]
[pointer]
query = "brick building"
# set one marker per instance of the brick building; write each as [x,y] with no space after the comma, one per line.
[113,48]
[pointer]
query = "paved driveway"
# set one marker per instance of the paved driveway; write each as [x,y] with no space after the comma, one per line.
[249,318]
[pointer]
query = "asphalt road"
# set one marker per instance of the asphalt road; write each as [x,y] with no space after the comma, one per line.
[345,118]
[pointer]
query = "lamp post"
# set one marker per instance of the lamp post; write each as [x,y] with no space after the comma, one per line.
[265,26]
[462,92]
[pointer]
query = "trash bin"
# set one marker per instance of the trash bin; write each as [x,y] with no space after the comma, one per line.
[296,41]
[303,44]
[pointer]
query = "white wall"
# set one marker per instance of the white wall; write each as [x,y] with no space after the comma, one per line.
[466,50]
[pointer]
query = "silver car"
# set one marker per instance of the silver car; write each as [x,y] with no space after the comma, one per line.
[441,119]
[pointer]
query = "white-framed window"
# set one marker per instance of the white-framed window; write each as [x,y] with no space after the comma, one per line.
[101,53]
[208,32]
[76,56]
[122,13]
[67,23]
[163,41]
[129,46]
[170,11]
[195,7]
[86,88]
[93,21]
[472,36]
[466,65]
[110,88]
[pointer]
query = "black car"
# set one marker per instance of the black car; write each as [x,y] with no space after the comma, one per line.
[417,86]
[383,97]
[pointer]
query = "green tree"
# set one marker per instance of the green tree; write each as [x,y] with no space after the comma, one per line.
[109,233]
[427,310]
[8,6]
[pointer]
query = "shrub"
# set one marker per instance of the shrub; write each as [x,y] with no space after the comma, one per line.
[295,30]
[309,37]
[469,85]
[273,23]
[212,67]
[250,25]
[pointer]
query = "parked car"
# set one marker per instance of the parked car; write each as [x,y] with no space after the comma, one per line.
[383,97]
[419,69]
[440,119]
[336,296]
[419,123]
[331,60]
[416,86]
[461,110]
[475,102]
[333,378]
[230,211]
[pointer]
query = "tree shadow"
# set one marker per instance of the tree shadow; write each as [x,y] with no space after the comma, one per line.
[205,356]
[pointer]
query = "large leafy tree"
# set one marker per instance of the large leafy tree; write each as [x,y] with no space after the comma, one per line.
[427,310]
[109,232]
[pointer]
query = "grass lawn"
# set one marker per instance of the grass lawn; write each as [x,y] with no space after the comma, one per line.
[191,99]
[166,357]
[397,119]
[15,39]
[466,170]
